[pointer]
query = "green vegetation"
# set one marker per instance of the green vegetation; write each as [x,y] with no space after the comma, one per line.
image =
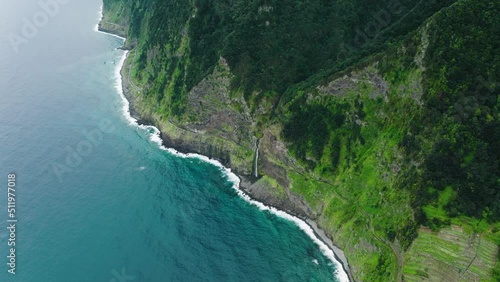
[464,109]
[389,108]
[451,248]
[269,45]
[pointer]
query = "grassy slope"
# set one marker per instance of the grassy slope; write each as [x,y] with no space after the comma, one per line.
[363,205]
[358,166]
[372,206]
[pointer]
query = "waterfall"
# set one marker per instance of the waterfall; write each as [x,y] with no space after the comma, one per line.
[256,170]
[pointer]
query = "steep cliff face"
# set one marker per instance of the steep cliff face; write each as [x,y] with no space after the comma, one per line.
[220,125]
[379,125]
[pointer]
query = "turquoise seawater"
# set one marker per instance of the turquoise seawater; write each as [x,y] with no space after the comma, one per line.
[97,199]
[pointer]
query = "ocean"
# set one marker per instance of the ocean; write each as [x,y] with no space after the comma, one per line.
[95,197]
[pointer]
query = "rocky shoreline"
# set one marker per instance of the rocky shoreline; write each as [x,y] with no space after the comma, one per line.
[291,205]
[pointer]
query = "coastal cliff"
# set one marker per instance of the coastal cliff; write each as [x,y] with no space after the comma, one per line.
[348,140]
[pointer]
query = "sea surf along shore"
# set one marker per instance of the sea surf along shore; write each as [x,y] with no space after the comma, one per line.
[240,183]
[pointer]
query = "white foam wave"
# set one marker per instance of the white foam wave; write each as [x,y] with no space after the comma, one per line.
[119,88]
[233,178]
[96,27]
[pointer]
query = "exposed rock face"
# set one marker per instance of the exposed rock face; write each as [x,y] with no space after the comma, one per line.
[220,124]
[211,110]
[341,86]
[109,27]
[221,127]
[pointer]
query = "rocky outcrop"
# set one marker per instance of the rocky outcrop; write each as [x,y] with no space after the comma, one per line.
[355,186]
[221,127]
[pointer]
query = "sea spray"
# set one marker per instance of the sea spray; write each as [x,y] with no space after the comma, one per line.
[233,178]
[101,16]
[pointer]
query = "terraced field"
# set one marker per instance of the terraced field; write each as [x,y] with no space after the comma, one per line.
[451,254]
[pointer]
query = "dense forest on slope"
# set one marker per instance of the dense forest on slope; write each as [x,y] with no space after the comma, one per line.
[460,114]
[390,108]
[269,45]
[462,103]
